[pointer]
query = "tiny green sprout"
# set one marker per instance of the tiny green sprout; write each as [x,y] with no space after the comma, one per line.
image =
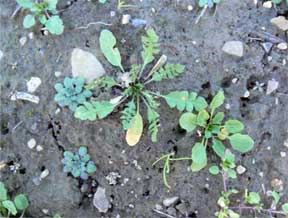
[79,165]
[45,12]
[9,206]
[208,3]
[133,87]
[71,93]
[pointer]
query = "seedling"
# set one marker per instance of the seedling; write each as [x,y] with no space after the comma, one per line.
[208,3]
[45,12]
[210,128]
[71,93]
[79,165]
[133,87]
[9,206]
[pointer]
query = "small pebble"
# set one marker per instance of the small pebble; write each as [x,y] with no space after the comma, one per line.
[31,35]
[268,148]
[283,154]
[267,4]
[23,40]
[246,94]
[126,18]
[39,148]
[235,80]
[31,143]
[272,85]
[277,185]
[131,206]
[57,111]
[227,106]
[112,13]
[189,7]
[170,201]
[45,211]
[33,84]
[44,174]
[261,174]
[158,207]
[240,169]
[57,73]
[36,181]
[1,54]
[282,46]
[269,58]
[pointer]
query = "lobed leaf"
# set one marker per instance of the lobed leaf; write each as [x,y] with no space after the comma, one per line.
[107,45]
[127,114]
[169,71]
[153,118]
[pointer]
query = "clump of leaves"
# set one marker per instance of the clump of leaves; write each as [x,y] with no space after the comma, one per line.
[9,206]
[277,2]
[208,3]
[71,93]
[79,164]
[133,87]
[45,12]
[210,127]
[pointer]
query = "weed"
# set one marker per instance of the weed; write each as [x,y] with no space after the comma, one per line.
[8,207]
[79,165]
[277,2]
[208,3]
[210,128]
[46,13]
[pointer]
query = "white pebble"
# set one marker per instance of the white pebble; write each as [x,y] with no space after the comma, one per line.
[235,80]
[112,13]
[33,84]
[39,148]
[240,169]
[31,143]
[31,35]
[246,94]
[189,7]
[283,154]
[261,174]
[126,18]
[267,4]
[1,54]
[57,73]
[282,46]
[268,148]
[23,40]
[44,174]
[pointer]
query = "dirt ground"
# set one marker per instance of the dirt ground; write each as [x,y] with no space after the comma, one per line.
[208,69]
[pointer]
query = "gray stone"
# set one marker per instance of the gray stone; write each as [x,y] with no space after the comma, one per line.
[86,65]
[100,200]
[171,211]
[272,85]
[234,48]
[182,208]
[170,201]
[280,22]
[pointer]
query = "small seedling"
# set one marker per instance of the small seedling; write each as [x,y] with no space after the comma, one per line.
[133,87]
[71,93]
[208,3]
[210,128]
[45,12]
[8,206]
[79,165]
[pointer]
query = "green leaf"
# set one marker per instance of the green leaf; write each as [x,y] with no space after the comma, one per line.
[55,25]
[94,110]
[29,21]
[169,71]
[276,197]
[253,198]
[91,168]
[218,148]
[42,19]
[218,118]
[135,130]
[195,167]
[21,202]
[52,4]
[202,118]
[177,99]
[217,101]
[277,1]
[107,45]
[9,205]
[153,118]
[199,155]
[202,3]
[242,143]
[3,192]
[151,47]
[188,121]
[233,126]
[214,170]
[285,207]
[102,1]
[103,82]
[25,3]
[127,114]
[232,174]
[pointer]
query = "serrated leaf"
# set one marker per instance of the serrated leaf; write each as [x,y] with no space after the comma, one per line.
[151,46]
[29,21]
[9,205]
[153,118]
[3,192]
[135,130]
[214,170]
[169,71]
[177,99]
[103,82]
[217,101]
[55,25]
[127,114]
[233,126]
[21,202]
[218,148]
[188,121]
[107,45]
[242,143]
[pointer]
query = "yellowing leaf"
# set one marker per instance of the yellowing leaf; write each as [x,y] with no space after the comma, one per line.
[135,130]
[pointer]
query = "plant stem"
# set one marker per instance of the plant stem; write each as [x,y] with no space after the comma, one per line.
[270,211]
[161,158]
[181,158]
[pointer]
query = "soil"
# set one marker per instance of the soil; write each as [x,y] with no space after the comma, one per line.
[208,69]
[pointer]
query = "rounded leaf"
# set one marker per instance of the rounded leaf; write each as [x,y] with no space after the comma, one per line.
[21,202]
[29,21]
[233,126]
[3,192]
[242,143]
[55,25]
[285,207]
[82,151]
[91,168]
[214,170]
[9,205]
[135,130]
[188,121]
[199,153]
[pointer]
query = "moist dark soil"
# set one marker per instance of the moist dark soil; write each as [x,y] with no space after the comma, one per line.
[208,69]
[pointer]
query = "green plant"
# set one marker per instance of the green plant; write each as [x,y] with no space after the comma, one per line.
[208,3]
[210,128]
[8,207]
[133,87]
[46,12]
[79,165]
[277,2]
[71,93]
